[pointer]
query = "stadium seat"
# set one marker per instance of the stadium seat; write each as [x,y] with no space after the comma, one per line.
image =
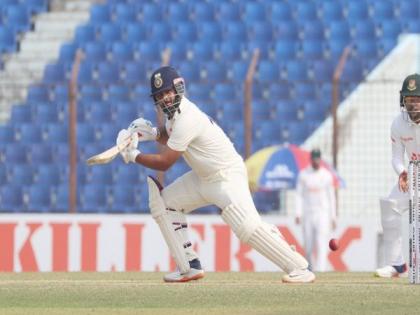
[239,70]
[39,199]
[254,12]
[109,72]
[95,52]
[149,51]
[184,32]
[190,71]
[268,72]
[312,49]
[178,51]
[280,11]
[338,30]
[100,111]
[38,94]
[135,33]
[3,175]
[224,92]
[203,12]
[336,48]
[46,113]
[215,72]
[203,51]
[99,14]
[141,95]
[61,197]
[321,70]
[262,31]
[178,12]
[285,110]
[357,11]
[304,90]
[85,134]
[93,199]
[161,31]
[18,17]
[91,93]
[122,52]
[364,30]
[312,30]
[20,175]
[306,11]
[296,132]
[118,93]
[332,11]
[383,10]
[48,175]
[265,47]
[57,133]
[297,70]
[36,6]
[124,14]
[278,91]
[84,34]
[11,198]
[235,31]
[209,32]
[261,111]
[313,111]
[409,10]
[20,114]
[7,40]
[40,154]
[285,50]
[100,175]
[67,53]
[353,70]
[85,73]
[229,12]
[110,33]
[124,199]
[54,73]
[151,12]
[127,175]
[125,113]
[134,73]
[266,201]
[366,49]
[29,133]
[199,92]
[390,29]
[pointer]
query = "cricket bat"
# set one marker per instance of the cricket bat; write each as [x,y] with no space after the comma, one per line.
[108,155]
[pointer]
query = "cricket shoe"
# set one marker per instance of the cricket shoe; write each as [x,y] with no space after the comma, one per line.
[392,271]
[299,276]
[195,273]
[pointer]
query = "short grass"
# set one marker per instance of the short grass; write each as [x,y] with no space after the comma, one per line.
[217,293]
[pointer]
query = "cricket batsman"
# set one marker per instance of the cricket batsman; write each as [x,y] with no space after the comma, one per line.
[405,137]
[218,176]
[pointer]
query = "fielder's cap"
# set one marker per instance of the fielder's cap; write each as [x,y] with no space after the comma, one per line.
[411,85]
[315,154]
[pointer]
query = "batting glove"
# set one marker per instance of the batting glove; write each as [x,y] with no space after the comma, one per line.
[145,130]
[130,152]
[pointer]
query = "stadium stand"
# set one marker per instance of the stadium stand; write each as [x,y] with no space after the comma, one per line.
[211,45]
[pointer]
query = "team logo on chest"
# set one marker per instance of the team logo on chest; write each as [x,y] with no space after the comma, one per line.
[411,85]
[158,82]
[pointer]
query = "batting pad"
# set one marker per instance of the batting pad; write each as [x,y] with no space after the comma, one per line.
[164,221]
[264,238]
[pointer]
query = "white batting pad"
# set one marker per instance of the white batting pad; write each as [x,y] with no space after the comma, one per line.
[164,220]
[179,222]
[264,238]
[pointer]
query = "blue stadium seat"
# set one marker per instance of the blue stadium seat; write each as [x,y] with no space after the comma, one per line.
[84,34]
[135,33]
[151,12]
[266,201]
[99,14]
[100,111]
[125,14]
[118,93]
[278,91]
[178,12]
[209,32]
[3,176]
[339,30]
[281,11]
[100,175]
[313,30]
[262,31]
[38,94]
[285,110]
[57,133]
[313,111]
[198,92]
[332,11]
[67,53]
[46,113]
[109,72]
[39,199]
[409,10]
[124,199]
[383,10]
[390,29]
[203,51]
[161,31]
[357,11]
[141,94]
[239,70]
[127,175]
[178,51]
[18,17]
[230,50]
[7,40]
[20,114]
[48,175]
[412,25]
[312,49]
[229,112]
[268,72]
[254,11]
[7,134]
[207,210]
[229,12]
[190,71]
[264,46]
[122,52]
[353,70]
[304,90]
[225,92]
[385,45]
[184,31]
[336,48]
[95,52]
[85,134]
[54,73]
[20,175]
[306,11]
[36,6]
[261,111]
[285,50]
[149,51]
[203,12]
[61,196]
[93,199]
[297,70]
[40,154]
[297,132]
[125,113]
[60,93]
[364,30]
[134,73]
[91,93]
[109,33]
[107,133]
[11,199]
[85,73]
[29,133]
[270,133]
[366,49]
[322,71]
[235,31]
[215,72]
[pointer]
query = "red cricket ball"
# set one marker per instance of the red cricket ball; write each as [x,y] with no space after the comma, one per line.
[333,244]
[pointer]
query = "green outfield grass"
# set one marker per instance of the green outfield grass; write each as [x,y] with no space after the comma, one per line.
[217,293]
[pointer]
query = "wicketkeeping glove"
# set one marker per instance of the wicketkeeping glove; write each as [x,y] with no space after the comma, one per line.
[130,152]
[145,130]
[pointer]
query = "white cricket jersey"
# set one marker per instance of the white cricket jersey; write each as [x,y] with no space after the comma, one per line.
[207,149]
[405,137]
[315,192]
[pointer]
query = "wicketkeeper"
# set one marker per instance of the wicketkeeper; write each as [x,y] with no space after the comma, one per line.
[218,177]
[405,137]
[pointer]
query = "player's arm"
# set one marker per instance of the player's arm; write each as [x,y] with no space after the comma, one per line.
[161,161]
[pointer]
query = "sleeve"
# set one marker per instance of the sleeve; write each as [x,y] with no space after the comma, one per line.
[331,197]
[299,196]
[398,150]
[183,133]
